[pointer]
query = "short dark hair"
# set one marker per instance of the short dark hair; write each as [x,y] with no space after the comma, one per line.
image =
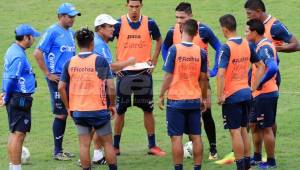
[256,25]
[255,5]
[141,1]
[20,37]
[190,27]
[184,7]
[228,21]
[84,37]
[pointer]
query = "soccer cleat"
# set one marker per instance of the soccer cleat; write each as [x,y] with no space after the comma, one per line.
[265,165]
[100,161]
[228,159]
[156,151]
[213,154]
[254,162]
[69,154]
[117,151]
[61,157]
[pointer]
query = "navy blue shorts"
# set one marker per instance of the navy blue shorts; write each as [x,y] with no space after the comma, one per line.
[138,83]
[235,115]
[19,112]
[91,122]
[278,78]
[57,106]
[181,121]
[264,112]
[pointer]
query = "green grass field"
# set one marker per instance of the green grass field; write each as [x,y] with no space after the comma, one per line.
[42,13]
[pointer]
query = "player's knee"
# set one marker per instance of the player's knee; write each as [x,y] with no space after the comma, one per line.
[61,117]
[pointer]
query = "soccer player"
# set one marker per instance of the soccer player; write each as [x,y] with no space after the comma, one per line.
[104,28]
[205,36]
[135,33]
[283,40]
[55,48]
[233,91]
[18,84]
[86,76]
[186,82]
[265,98]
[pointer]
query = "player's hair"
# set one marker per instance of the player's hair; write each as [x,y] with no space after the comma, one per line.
[21,37]
[256,25]
[84,37]
[255,5]
[184,7]
[228,21]
[141,1]
[190,27]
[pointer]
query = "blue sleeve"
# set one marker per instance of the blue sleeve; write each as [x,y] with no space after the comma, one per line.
[65,77]
[266,54]
[203,61]
[154,30]
[208,36]
[15,68]
[224,56]
[117,30]
[280,32]
[103,69]
[46,41]
[170,60]
[168,42]
[254,57]
[11,83]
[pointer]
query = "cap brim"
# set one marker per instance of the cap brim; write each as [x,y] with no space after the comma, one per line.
[36,34]
[112,22]
[74,13]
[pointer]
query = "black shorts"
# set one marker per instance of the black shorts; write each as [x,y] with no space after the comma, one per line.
[264,112]
[138,83]
[235,115]
[57,106]
[19,112]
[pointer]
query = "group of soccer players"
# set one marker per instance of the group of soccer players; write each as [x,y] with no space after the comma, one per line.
[83,87]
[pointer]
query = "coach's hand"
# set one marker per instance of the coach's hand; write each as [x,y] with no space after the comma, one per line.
[119,74]
[151,63]
[203,106]
[221,100]
[53,77]
[161,102]
[113,111]
[2,102]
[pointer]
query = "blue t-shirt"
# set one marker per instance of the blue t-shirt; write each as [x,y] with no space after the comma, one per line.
[103,72]
[101,48]
[153,28]
[243,94]
[17,67]
[169,67]
[206,34]
[58,46]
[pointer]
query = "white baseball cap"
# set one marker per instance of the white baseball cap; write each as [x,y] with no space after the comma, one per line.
[104,19]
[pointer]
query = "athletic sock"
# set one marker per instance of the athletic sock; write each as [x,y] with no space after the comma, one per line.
[113,167]
[117,139]
[16,167]
[197,167]
[178,167]
[257,156]
[210,128]
[240,164]
[59,126]
[247,163]
[151,141]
